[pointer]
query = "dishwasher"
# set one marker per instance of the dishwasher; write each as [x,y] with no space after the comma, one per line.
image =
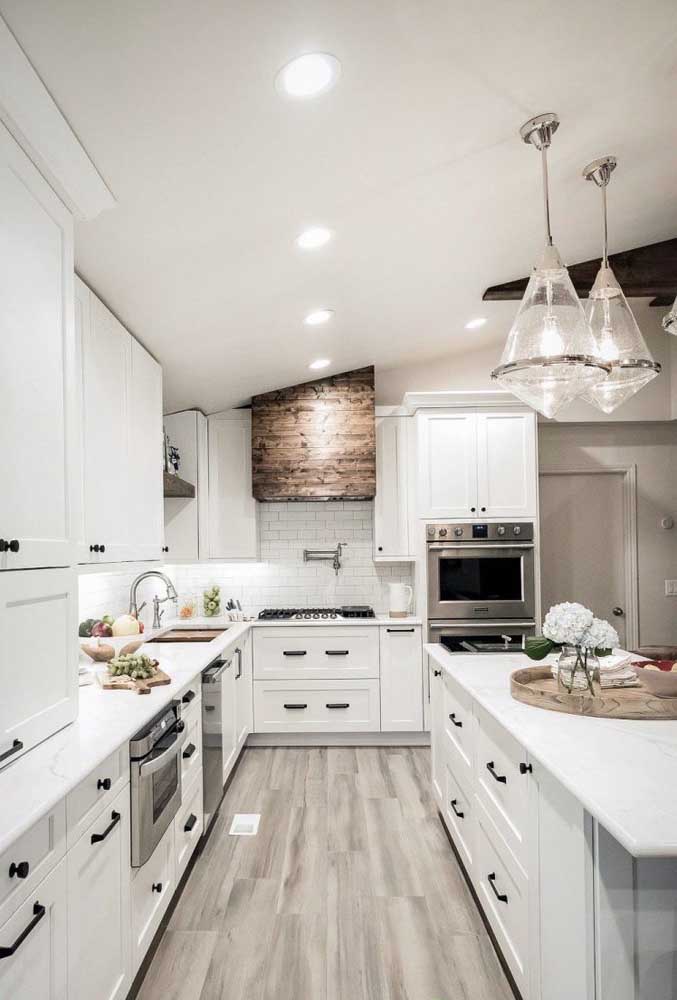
[212,737]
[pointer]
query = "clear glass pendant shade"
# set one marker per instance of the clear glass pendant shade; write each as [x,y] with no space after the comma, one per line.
[551,355]
[670,320]
[620,343]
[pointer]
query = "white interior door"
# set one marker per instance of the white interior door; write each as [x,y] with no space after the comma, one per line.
[583,543]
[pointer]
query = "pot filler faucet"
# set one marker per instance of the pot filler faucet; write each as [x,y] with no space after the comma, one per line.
[135,610]
[330,555]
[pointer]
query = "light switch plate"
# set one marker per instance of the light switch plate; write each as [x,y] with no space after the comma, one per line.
[671,588]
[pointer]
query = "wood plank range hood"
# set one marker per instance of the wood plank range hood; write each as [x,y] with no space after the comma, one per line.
[316,441]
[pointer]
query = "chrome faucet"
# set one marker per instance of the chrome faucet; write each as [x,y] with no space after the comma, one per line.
[331,555]
[136,610]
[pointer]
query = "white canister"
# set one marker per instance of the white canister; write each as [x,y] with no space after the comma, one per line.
[400,598]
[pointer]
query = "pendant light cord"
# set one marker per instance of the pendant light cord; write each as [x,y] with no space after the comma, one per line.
[546,194]
[605,259]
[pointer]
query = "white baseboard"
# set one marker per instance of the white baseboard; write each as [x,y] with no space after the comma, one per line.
[338,739]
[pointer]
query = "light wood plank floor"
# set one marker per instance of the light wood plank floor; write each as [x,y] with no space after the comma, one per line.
[350,891]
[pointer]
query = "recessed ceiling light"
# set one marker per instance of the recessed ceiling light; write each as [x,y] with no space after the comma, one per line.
[475,324]
[313,237]
[308,75]
[320,363]
[318,316]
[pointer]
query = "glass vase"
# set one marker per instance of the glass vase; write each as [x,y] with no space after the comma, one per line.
[578,671]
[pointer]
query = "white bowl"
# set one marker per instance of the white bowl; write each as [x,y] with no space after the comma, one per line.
[662,683]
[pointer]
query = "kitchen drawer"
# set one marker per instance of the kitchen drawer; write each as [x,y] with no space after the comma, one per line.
[459,731]
[32,855]
[191,701]
[303,707]
[191,755]
[188,826]
[152,888]
[505,901]
[459,815]
[96,792]
[501,787]
[314,652]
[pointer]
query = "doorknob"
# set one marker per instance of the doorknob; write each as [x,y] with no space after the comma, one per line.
[618,612]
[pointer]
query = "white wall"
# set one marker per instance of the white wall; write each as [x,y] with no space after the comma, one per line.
[653,449]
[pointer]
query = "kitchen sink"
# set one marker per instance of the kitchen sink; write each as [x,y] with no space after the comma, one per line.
[200,634]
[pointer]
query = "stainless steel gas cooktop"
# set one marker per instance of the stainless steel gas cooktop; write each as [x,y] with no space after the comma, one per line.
[347,611]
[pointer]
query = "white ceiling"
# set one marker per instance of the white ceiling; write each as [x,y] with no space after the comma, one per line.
[413,159]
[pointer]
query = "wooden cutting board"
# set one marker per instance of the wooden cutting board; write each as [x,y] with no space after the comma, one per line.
[536,686]
[109,683]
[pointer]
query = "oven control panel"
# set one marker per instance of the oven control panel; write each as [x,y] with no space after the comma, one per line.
[508,531]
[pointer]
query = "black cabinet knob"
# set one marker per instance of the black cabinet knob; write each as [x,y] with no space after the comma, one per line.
[437,673]
[4,545]
[14,545]
[526,768]
[156,887]
[21,870]
[380,548]
[165,548]
[483,509]
[102,548]
[104,783]
[473,509]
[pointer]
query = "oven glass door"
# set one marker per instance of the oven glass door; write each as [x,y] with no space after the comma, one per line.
[480,581]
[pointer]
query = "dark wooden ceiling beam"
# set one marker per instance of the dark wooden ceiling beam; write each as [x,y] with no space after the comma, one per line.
[644,272]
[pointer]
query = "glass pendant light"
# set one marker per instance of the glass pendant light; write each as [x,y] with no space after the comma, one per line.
[670,320]
[619,338]
[551,355]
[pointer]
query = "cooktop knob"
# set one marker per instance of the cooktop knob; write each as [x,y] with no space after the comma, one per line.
[458,532]
[443,532]
[500,530]
[430,531]
[517,530]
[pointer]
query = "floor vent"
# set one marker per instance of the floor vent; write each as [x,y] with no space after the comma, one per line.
[245,825]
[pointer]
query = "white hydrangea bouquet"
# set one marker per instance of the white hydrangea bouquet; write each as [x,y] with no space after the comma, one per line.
[573,628]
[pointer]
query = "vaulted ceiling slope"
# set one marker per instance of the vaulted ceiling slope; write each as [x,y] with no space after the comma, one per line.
[413,159]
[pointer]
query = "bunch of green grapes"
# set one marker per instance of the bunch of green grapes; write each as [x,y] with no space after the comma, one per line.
[211,601]
[135,665]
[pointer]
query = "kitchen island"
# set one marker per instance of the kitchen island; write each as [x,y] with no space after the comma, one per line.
[566,828]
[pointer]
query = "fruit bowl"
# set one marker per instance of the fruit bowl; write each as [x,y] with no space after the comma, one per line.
[658,676]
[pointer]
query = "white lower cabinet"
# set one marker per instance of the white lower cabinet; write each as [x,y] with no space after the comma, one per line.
[152,889]
[33,943]
[401,678]
[316,706]
[459,813]
[99,933]
[243,692]
[188,826]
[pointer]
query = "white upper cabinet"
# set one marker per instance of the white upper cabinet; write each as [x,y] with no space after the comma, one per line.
[391,508]
[447,464]
[506,469]
[145,455]
[187,520]
[36,362]
[477,465]
[233,526]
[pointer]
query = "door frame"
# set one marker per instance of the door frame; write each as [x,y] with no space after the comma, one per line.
[629,474]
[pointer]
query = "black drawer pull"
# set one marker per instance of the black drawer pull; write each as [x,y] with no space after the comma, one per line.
[96,838]
[14,545]
[499,777]
[189,751]
[190,823]
[292,705]
[452,718]
[338,704]
[156,887]
[294,652]
[456,811]
[210,708]
[188,697]
[336,652]
[104,783]
[15,747]
[39,912]
[526,768]
[21,870]
[396,630]
[437,673]
[500,896]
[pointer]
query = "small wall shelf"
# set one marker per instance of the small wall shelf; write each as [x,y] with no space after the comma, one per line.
[174,486]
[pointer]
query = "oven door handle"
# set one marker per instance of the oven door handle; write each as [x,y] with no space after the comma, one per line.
[479,623]
[159,762]
[473,547]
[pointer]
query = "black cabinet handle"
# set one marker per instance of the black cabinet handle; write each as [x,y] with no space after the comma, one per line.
[294,652]
[239,664]
[499,777]
[15,747]
[336,652]
[165,548]
[452,718]
[39,912]
[526,768]
[21,870]
[397,630]
[292,705]
[102,548]
[190,823]
[338,704]
[500,896]
[188,697]
[156,887]
[456,811]
[4,545]
[437,673]
[104,783]
[210,708]
[96,838]
[94,548]
[189,751]
[14,545]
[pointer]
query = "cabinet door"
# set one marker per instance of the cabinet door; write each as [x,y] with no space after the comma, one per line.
[153,886]
[401,679]
[229,715]
[38,968]
[447,464]
[182,521]
[99,931]
[106,350]
[243,691]
[36,366]
[233,532]
[38,665]
[391,527]
[437,730]
[145,455]
[506,458]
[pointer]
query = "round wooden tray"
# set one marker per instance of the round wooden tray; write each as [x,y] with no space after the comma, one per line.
[536,686]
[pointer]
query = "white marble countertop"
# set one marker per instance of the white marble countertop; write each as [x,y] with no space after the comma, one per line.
[622,771]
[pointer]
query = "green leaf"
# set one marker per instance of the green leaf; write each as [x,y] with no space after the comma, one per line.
[537,647]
